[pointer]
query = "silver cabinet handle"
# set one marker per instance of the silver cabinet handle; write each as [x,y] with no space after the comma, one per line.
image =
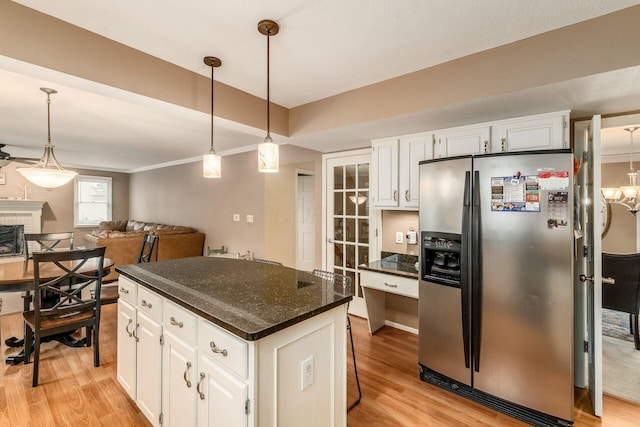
[175,323]
[215,349]
[134,332]
[126,328]
[406,196]
[390,285]
[503,144]
[200,393]
[395,195]
[486,146]
[124,290]
[145,304]
[186,371]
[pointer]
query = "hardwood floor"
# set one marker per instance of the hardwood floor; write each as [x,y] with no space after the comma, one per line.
[74,393]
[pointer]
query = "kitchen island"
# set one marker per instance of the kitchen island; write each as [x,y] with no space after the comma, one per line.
[209,341]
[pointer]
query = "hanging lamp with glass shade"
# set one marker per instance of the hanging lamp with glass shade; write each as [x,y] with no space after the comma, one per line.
[211,162]
[268,155]
[48,173]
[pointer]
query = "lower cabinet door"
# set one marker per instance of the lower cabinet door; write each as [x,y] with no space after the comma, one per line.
[222,396]
[149,367]
[127,348]
[179,380]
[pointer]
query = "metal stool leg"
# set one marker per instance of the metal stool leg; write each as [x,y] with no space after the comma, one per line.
[355,368]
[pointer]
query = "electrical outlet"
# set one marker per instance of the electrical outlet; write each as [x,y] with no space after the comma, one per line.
[236,217]
[306,373]
[249,218]
[399,236]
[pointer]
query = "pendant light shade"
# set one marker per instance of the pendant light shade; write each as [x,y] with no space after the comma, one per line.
[211,162]
[268,155]
[48,173]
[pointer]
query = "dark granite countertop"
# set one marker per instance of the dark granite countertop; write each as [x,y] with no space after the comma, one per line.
[395,264]
[249,299]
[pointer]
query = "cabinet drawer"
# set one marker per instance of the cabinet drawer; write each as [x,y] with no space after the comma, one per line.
[149,303]
[390,283]
[223,347]
[179,321]
[128,290]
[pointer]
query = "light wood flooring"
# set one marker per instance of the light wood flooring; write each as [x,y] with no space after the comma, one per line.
[74,393]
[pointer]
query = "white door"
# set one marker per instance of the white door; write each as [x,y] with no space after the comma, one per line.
[305,223]
[589,292]
[349,232]
[222,396]
[179,378]
[149,367]
[126,348]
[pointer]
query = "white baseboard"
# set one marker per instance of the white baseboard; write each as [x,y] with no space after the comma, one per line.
[401,327]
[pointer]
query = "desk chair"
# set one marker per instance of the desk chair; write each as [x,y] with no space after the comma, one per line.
[624,294]
[71,311]
[109,294]
[345,281]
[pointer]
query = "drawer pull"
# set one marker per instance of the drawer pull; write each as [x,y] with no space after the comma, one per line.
[390,285]
[200,393]
[145,304]
[126,328]
[134,332]
[215,349]
[175,323]
[186,371]
[124,290]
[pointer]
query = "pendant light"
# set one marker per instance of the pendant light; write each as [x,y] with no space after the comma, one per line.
[211,162]
[47,172]
[268,156]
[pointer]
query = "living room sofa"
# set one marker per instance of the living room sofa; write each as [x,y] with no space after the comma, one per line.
[123,240]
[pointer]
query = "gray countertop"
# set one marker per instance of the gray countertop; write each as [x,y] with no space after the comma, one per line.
[249,299]
[396,264]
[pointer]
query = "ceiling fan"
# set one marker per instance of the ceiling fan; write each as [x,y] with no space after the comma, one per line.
[6,158]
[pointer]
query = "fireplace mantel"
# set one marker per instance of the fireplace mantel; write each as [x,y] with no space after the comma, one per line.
[7,205]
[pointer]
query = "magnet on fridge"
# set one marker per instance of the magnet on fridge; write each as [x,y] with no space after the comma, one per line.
[515,178]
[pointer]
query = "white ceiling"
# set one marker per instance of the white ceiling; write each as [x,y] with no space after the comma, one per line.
[324,48]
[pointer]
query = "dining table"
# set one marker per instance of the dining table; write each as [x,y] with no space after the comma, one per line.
[18,276]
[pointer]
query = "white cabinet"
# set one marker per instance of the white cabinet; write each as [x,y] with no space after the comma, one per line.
[223,398]
[139,356]
[395,179]
[463,141]
[179,381]
[540,132]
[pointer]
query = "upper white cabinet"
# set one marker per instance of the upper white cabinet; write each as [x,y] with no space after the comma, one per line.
[394,165]
[540,132]
[395,180]
[462,141]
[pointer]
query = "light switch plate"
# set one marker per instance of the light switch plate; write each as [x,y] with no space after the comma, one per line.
[236,217]
[399,236]
[249,218]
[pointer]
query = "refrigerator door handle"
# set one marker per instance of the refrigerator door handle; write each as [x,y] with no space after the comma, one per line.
[464,269]
[476,277]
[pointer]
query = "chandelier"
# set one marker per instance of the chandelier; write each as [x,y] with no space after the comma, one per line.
[48,173]
[628,195]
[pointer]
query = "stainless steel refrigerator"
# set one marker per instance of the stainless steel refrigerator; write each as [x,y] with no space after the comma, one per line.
[496,281]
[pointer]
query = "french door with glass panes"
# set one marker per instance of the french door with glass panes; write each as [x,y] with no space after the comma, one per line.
[349,224]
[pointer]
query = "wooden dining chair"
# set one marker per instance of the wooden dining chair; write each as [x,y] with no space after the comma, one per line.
[72,310]
[109,293]
[47,242]
[345,282]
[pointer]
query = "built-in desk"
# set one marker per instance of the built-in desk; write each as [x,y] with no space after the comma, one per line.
[396,275]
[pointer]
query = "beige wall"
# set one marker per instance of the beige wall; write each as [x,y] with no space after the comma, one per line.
[179,195]
[621,237]
[57,213]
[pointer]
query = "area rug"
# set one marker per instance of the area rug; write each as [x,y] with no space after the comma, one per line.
[621,369]
[616,324]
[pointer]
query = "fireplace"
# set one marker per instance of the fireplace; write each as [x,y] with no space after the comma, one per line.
[11,240]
